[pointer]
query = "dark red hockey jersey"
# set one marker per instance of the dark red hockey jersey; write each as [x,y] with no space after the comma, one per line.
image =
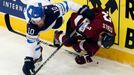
[101,22]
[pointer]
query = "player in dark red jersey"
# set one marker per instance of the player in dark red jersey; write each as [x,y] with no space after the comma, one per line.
[90,35]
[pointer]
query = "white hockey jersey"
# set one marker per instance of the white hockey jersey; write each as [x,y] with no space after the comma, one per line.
[62,6]
[35,2]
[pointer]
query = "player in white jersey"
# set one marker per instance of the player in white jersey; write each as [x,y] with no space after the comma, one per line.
[41,17]
[34,2]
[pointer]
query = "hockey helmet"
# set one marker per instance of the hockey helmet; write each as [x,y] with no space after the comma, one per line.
[106,40]
[35,13]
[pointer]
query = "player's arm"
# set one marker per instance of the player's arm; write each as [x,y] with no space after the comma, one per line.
[86,12]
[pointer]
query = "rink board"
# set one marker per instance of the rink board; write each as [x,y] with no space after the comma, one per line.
[122,16]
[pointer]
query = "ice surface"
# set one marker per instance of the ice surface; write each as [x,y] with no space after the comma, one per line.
[13,50]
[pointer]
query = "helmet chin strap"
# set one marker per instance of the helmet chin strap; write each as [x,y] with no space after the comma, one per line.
[34,20]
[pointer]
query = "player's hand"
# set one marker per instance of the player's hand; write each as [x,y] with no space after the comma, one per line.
[83,59]
[28,67]
[86,12]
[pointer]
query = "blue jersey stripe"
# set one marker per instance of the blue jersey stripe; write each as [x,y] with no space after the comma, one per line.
[63,6]
[67,8]
[37,48]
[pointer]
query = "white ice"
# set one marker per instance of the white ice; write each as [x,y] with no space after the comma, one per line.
[13,50]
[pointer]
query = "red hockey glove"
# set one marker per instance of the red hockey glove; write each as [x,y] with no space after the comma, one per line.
[83,59]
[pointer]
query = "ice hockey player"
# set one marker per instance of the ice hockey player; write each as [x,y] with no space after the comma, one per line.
[41,18]
[90,35]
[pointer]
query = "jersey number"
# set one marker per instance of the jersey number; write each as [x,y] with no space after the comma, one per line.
[30,31]
[106,17]
[55,9]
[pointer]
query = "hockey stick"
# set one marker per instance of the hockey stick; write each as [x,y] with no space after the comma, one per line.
[74,31]
[7,21]
[73,53]
[54,52]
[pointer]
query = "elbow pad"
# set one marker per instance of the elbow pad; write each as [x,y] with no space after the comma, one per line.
[86,12]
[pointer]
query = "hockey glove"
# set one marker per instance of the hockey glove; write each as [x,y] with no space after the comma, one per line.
[83,59]
[28,67]
[86,12]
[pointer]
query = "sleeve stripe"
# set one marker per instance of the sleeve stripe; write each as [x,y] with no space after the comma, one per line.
[63,6]
[67,8]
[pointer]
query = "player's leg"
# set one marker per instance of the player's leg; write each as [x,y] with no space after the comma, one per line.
[33,43]
[87,50]
[34,49]
[60,37]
